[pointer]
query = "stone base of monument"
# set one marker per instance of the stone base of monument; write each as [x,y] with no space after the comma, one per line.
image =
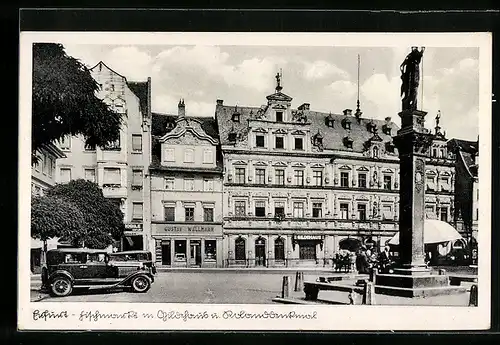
[415,283]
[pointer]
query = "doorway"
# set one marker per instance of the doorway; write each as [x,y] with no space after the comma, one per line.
[166,258]
[195,253]
[260,252]
[307,250]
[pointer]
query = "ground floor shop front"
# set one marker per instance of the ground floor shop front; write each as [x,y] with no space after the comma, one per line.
[187,245]
[301,249]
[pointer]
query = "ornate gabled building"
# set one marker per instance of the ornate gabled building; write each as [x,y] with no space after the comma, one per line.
[300,185]
[119,168]
[466,210]
[186,191]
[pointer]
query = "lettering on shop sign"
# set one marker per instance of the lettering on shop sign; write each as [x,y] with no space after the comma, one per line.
[197,228]
[308,237]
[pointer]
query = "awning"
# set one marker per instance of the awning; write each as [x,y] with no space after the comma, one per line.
[435,231]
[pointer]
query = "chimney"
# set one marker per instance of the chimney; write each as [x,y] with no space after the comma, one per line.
[182,108]
[388,119]
[347,112]
[304,106]
[220,102]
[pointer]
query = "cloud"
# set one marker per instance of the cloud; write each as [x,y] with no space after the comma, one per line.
[211,62]
[322,69]
[343,88]
[168,104]
[131,62]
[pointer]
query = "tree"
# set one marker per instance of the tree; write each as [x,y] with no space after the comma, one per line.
[65,101]
[55,217]
[101,220]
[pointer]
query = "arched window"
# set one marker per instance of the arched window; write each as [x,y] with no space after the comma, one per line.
[239,249]
[375,152]
[279,249]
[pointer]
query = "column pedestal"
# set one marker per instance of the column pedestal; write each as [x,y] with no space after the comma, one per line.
[412,278]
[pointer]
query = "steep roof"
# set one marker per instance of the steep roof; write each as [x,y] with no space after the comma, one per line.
[333,137]
[140,89]
[164,123]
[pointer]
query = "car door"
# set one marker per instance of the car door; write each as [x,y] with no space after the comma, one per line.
[96,272]
[74,264]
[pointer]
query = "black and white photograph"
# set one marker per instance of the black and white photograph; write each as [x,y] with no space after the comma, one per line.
[214,181]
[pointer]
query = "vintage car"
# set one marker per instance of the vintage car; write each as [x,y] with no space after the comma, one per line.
[133,259]
[79,268]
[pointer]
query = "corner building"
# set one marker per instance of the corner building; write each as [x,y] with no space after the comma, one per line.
[120,167]
[300,185]
[186,191]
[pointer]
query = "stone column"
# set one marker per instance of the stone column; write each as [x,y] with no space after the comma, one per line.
[412,143]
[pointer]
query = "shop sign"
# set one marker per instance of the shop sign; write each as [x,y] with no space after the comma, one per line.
[308,237]
[133,226]
[193,228]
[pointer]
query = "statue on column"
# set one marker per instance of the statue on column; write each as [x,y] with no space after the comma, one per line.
[410,76]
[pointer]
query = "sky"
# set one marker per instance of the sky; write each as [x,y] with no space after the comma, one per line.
[325,77]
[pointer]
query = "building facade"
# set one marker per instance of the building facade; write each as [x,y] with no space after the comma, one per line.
[120,167]
[300,185]
[186,191]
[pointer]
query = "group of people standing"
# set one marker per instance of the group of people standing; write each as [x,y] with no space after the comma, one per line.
[367,259]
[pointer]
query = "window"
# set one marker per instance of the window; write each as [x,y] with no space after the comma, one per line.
[169,213]
[188,156]
[112,176]
[239,249]
[361,180]
[137,178]
[344,211]
[430,183]
[239,208]
[375,152]
[279,208]
[279,116]
[477,214]
[189,213]
[280,177]
[208,185]
[259,141]
[50,166]
[344,179]
[208,214]
[362,211]
[299,177]
[317,210]
[189,184]
[434,152]
[443,214]
[45,165]
[387,212]
[65,175]
[65,143]
[169,183]
[239,175]
[299,144]
[260,208]
[387,182]
[429,212]
[279,249]
[208,156]
[114,145]
[442,154]
[210,250]
[260,176]
[137,210]
[318,178]
[298,209]
[169,155]
[180,250]
[444,184]
[37,164]
[90,175]
[136,142]
[280,143]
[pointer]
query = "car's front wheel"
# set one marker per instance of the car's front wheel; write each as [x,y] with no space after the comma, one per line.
[61,286]
[141,284]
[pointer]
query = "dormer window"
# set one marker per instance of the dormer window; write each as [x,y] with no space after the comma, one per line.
[232,135]
[386,129]
[375,152]
[346,123]
[236,117]
[329,121]
[389,147]
[279,116]
[348,142]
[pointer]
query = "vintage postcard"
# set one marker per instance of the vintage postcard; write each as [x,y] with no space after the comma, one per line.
[243,181]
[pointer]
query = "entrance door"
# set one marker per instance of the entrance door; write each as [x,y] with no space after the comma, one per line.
[260,252]
[195,249]
[307,250]
[166,258]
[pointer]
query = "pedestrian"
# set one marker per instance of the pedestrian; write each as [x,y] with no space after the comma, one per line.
[362,265]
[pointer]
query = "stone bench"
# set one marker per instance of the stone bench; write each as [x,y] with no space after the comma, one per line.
[456,280]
